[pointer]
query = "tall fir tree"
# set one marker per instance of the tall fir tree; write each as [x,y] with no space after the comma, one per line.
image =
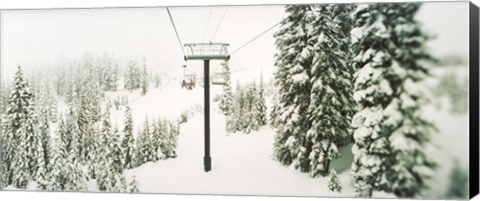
[145,149]
[116,151]
[391,138]
[20,166]
[128,142]
[260,105]
[17,134]
[251,111]
[331,101]
[132,76]
[294,61]
[144,78]
[226,101]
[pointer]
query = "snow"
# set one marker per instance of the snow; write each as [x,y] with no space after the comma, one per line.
[168,102]
[241,164]
[300,77]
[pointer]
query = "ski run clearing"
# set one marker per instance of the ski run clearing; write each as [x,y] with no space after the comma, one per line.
[242,163]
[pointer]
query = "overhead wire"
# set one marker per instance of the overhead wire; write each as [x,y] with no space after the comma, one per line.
[208,23]
[255,38]
[219,23]
[176,32]
[216,30]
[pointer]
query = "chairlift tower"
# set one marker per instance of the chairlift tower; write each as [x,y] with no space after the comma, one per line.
[206,52]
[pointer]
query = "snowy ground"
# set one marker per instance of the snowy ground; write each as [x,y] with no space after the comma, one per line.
[241,164]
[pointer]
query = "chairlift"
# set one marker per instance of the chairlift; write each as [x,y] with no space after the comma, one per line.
[188,80]
[219,78]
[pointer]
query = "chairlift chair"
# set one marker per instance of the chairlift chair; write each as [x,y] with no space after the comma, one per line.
[219,79]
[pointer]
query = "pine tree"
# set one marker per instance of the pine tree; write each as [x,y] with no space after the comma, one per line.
[17,133]
[104,162]
[172,132]
[226,102]
[334,182]
[251,111]
[75,177]
[59,171]
[128,141]
[331,98]
[34,142]
[145,151]
[261,106]
[133,186]
[43,175]
[144,78]
[116,151]
[294,61]
[20,166]
[390,137]
[44,161]
[235,119]
[132,76]
[272,116]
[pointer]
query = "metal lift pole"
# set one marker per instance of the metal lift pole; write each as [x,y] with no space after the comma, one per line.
[207,160]
[207,52]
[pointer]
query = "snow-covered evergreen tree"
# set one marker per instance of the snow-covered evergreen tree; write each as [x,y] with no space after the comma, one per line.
[144,78]
[226,101]
[20,167]
[76,179]
[145,149]
[128,142]
[133,186]
[116,151]
[272,116]
[17,135]
[34,142]
[334,182]
[104,161]
[108,74]
[236,120]
[261,106]
[294,61]
[158,139]
[58,170]
[172,137]
[46,147]
[132,76]
[331,102]
[42,176]
[250,110]
[391,138]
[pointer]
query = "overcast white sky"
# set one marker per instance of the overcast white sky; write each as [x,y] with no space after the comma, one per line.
[39,38]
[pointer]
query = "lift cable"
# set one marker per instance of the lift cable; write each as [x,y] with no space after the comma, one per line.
[176,32]
[253,39]
[219,23]
[256,37]
[208,23]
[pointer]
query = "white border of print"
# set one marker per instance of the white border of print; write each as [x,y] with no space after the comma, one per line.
[36,4]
